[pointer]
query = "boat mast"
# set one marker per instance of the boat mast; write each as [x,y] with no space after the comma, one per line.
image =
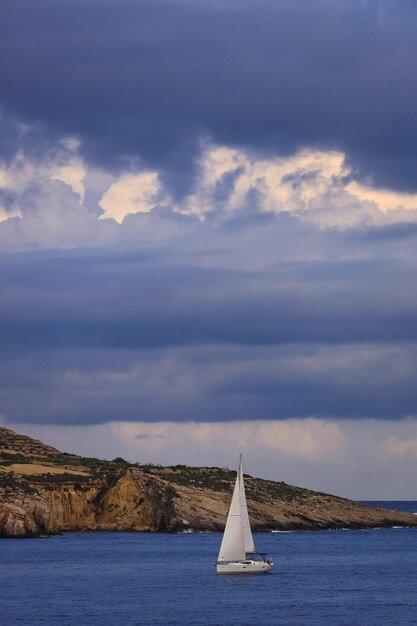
[247,533]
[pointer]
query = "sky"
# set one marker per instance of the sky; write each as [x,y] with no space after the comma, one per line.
[208,229]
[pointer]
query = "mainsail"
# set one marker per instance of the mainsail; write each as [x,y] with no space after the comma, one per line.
[237,538]
[233,544]
[247,533]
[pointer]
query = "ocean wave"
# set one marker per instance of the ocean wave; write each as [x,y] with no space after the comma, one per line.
[190,531]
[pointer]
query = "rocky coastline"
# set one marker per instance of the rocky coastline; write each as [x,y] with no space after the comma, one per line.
[44,491]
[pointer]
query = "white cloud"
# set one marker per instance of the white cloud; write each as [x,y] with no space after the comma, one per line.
[308,439]
[312,184]
[131,193]
[72,174]
[51,215]
[23,171]
[396,448]
[385,199]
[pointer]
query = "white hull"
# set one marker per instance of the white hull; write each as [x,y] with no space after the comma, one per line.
[244,567]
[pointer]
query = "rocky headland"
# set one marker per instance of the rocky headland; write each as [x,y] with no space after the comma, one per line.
[44,491]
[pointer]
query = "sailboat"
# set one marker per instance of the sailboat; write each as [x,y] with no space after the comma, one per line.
[237,552]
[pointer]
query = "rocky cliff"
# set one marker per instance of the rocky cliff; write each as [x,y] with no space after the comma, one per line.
[45,491]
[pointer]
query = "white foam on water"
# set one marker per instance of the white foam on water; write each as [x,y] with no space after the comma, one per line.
[394,527]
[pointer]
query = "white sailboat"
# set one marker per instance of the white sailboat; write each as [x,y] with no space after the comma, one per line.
[237,552]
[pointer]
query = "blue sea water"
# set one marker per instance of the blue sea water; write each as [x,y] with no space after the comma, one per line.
[408,506]
[113,579]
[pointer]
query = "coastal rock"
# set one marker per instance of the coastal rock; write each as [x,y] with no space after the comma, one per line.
[44,491]
[23,510]
[136,502]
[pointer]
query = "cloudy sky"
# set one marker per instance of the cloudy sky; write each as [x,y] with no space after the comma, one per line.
[208,229]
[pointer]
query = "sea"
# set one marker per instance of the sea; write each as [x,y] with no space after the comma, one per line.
[344,577]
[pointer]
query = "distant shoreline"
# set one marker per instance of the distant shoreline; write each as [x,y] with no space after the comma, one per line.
[44,491]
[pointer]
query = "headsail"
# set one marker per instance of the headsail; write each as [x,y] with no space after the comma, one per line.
[233,547]
[247,533]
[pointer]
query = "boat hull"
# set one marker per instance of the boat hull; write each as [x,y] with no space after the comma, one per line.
[244,567]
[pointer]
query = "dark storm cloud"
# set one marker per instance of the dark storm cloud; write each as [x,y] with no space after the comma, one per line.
[63,300]
[149,79]
[213,323]
[208,383]
[236,316]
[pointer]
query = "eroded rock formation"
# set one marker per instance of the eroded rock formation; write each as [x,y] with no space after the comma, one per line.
[44,491]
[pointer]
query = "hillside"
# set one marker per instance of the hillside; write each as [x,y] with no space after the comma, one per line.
[45,491]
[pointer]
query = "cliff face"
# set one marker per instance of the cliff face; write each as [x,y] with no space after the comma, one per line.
[44,491]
